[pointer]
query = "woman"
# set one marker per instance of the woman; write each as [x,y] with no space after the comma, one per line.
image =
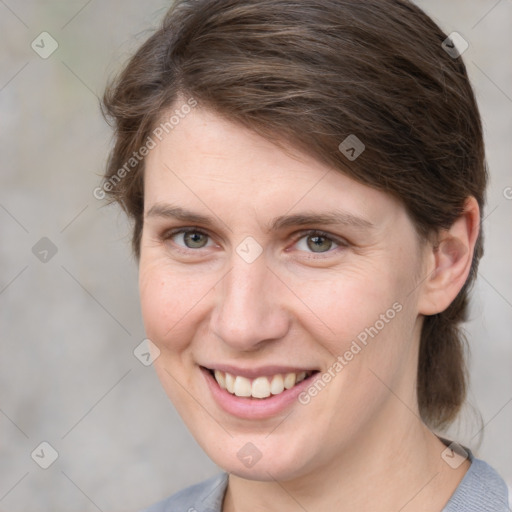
[306,180]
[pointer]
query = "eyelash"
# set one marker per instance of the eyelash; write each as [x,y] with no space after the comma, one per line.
[298,236]
[170,234]
[340,242]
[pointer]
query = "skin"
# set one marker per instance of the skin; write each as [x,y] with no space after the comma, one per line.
[359,444]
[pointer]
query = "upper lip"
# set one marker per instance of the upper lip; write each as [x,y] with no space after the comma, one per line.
[261,371]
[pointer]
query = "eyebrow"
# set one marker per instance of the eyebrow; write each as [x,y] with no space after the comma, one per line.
[336,217]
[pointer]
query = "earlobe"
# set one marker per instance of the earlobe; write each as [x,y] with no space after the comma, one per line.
[450,260]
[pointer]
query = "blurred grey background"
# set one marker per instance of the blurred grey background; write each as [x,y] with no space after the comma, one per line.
[69,311]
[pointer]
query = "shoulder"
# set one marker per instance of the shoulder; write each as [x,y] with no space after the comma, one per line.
[481,490]
[205,496]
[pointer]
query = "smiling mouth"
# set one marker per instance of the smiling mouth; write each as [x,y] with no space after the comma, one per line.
[260,387]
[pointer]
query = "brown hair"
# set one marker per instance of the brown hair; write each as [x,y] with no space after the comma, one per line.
[310,73]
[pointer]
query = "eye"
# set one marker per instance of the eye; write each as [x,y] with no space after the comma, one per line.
[189,238]
[318,242]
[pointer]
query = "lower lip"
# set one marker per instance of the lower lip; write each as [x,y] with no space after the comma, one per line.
[255,408]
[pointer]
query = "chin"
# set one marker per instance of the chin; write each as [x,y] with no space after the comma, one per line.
[259,458]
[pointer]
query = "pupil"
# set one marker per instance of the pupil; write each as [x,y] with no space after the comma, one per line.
[319,243]
[194,240]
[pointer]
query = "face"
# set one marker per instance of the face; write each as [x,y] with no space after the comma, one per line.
[289,281]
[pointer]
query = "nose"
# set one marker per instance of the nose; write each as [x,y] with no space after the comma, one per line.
[249,307]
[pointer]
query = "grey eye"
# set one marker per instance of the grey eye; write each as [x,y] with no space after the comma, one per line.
[191,239]
[315,242]
[195,240]
[319,243]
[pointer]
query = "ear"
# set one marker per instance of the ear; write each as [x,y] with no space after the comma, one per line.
[449,261]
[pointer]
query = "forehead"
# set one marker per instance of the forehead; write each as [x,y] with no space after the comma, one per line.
[207,159]
[208,143]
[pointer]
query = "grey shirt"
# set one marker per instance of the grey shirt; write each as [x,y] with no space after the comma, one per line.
[481,490]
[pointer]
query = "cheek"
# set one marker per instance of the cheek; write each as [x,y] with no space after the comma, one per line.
[345,304]
[170,304]
[366,319]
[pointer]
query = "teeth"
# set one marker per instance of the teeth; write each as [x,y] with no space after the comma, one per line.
[242,386]
[277,385]
[261,387]
[230,383]
[219,377]
[289,380]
